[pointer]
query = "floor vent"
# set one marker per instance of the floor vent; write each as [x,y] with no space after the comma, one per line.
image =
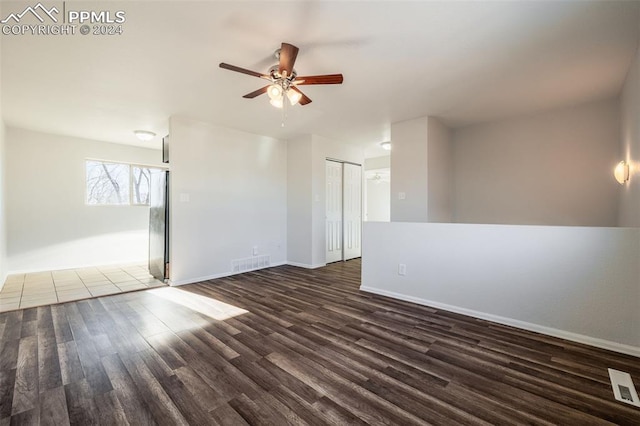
[623,388]
[250,263]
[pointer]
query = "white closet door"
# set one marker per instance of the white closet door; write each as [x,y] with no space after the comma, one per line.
[334,211]
[352,211]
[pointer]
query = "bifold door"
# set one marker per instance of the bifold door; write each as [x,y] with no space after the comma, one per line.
[343,211]
[352,208]
[334,211]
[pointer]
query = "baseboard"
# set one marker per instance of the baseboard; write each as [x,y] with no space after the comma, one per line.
[79,266]
[549,331]
[305,265]
[186,281]
[216,276]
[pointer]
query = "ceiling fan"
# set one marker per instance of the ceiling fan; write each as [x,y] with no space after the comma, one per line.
[284,79]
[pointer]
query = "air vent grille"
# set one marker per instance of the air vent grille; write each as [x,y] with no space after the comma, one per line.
[623,388]
[250,263]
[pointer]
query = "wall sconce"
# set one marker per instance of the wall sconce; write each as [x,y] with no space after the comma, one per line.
[386,146]
[621,172]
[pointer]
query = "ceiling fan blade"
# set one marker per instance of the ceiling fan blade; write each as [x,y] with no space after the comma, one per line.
[288,55]
[304,99]
[242,70]
[319,79]
[256,93]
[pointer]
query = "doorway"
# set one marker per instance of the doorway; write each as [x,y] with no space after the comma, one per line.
[343,210]
[377,204]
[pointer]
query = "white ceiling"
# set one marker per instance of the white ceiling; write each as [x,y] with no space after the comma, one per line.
[464,62]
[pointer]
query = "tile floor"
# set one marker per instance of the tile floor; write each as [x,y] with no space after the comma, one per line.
[44,288]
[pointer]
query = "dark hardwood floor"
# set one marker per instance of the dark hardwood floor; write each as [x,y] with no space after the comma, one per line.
[311,349]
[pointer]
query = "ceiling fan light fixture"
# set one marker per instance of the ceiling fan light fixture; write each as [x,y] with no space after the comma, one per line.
[275,92]
[294,97]
[276,102]
[144,135]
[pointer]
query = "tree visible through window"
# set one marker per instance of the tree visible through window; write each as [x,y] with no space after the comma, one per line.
[141,183]
[117,184]
[107,183]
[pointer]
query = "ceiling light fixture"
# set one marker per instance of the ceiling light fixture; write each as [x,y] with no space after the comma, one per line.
[275,92]
[144,135]
[621,172]
[278,90]
[277,102]
[386,146]
[293,96]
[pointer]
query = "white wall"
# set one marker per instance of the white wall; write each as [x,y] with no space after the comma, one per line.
[377,194]
[49,225]
[378,206]
[439,172]
[554,168]
[629,211]
[422,168]
[299,201]
[383,162]
[409,170]
[3,212]
[573,282]
[3,208]
[228,194]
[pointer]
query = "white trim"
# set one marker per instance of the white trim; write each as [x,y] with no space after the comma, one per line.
[305,265]
[216,276]
[78,266]
[554,332]
[162,166]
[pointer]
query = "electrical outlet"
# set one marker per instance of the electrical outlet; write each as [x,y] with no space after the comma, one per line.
[255,250]
[402,195]
[402,269]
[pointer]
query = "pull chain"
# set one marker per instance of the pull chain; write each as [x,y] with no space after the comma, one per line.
[284,108]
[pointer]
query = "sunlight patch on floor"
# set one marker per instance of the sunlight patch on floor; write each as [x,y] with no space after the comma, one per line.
[205,305]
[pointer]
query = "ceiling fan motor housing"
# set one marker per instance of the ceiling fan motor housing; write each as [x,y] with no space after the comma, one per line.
[275,74]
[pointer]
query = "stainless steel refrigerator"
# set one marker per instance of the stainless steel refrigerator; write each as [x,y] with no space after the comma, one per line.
[159,224]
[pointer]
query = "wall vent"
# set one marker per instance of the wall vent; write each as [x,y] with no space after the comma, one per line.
[623,389]
[250,263]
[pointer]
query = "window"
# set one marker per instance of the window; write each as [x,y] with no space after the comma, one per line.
[107,183]
[117,183]
[141,181]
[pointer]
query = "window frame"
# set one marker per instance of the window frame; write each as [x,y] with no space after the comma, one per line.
[130,201]
[131,182]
